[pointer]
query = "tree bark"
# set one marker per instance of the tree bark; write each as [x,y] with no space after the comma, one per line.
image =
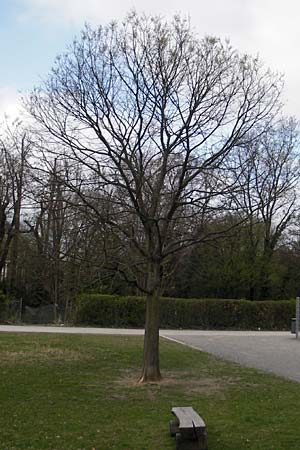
[13,266]
[151,369]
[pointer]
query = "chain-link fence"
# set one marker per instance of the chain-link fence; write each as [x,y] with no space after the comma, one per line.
[15,311]
[12,311]
[43,314]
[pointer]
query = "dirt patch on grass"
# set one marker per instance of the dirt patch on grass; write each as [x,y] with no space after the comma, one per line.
[42,354]
[195,384]
[183,381]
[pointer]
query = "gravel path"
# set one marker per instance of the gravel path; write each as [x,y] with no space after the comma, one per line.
[277,352]
[67,330]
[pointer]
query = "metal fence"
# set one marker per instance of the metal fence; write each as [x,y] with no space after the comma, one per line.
[13,310]
[296,320]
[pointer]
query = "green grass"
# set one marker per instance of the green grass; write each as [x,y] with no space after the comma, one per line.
[76,392]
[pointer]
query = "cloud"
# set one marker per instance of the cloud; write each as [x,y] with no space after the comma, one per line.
[217,14]
[232,19]
[10,103]
[265,27]
[73,12]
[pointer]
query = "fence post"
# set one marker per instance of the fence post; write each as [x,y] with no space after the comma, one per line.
[297,316]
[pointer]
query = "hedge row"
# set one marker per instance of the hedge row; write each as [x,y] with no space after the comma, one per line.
[116,311]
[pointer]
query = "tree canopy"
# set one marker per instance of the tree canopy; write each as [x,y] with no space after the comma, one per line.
[146,114]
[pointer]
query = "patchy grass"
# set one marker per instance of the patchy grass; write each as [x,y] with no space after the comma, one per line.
[62,392]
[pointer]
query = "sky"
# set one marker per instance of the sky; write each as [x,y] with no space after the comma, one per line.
[33,32]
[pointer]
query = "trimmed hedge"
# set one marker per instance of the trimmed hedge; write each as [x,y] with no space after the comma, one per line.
[117,311]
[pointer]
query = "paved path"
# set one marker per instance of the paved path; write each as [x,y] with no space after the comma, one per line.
[67,330]
[277,352]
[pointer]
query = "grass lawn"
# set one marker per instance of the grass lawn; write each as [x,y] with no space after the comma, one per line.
[79,392]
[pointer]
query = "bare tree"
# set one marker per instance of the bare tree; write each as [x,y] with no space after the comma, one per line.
[149,111]
[14,151]
[70,248]
[265,196]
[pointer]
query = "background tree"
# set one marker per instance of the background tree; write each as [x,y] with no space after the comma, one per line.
[14,151]
[149,111]
[266,197]
[216,268]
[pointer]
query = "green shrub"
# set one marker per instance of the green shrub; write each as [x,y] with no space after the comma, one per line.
[109,310]
[117,311]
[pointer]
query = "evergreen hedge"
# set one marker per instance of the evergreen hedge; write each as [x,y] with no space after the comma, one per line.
[117,311]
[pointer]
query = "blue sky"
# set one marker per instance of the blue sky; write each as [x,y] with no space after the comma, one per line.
[28,46]
[33,32]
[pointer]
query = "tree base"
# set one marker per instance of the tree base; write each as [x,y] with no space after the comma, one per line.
[150,378]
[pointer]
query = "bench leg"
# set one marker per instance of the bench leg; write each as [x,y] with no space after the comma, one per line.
[202,439]
[191,444]
[174,427]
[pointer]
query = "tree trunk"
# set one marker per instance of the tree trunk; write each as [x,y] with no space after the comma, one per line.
[13,266]
[151,370]
[264,275]
[251,292]
[264,281]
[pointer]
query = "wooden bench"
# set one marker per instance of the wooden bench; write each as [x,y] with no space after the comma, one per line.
[189,429]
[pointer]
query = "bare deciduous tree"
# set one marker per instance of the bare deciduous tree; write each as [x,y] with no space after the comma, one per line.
[265,196]
[14,151]
[149,111]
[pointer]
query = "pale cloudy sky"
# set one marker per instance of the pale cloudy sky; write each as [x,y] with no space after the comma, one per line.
[33,32]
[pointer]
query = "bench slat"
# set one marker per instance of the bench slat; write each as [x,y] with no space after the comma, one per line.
[188,418]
